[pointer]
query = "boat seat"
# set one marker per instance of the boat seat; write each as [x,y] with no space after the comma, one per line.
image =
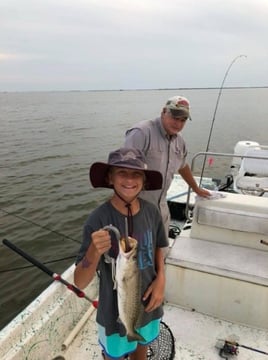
[222,280]
[251,185]
[235,219]
[252,177]
[240,263]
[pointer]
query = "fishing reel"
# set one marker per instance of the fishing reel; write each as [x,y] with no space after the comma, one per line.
[230,347]
[173,231]
[227,349]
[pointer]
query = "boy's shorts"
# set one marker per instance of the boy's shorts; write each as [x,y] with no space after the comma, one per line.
[116,346]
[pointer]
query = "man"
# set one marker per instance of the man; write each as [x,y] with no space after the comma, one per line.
[165,150]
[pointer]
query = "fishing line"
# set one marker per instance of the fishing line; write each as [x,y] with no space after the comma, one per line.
[40,226]
[30,266]
[215,111]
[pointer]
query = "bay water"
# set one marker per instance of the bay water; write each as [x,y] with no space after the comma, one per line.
[48,140]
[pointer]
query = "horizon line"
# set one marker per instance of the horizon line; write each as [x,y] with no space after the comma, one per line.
[141,89]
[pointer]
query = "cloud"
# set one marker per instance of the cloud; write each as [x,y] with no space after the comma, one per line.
[5,57]
[103,44]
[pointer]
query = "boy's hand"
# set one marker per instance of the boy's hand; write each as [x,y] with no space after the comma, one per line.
[155,294]
[101,241]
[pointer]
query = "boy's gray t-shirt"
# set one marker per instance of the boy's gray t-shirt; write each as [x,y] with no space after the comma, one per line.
[150,234]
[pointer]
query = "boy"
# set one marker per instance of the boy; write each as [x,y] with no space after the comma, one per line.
[126,173]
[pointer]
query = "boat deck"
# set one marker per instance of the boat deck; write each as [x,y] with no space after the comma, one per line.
[63,331]
[196,337]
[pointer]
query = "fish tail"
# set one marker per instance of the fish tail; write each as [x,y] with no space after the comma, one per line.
[135,336]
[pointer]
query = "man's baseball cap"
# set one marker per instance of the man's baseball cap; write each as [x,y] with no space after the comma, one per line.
[179,106]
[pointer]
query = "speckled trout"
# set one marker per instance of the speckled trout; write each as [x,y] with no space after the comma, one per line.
[128,288]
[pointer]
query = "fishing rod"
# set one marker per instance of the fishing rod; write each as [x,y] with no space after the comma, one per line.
[215,111]
[45,269]
[228,347]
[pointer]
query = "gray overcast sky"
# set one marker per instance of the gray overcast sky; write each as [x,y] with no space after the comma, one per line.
[130,44]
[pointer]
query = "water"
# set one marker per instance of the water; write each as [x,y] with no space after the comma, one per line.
[48,141]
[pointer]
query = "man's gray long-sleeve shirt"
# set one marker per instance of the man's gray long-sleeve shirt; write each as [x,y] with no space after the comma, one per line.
[163,152]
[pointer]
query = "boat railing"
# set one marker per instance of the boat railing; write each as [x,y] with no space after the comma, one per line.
[216,154]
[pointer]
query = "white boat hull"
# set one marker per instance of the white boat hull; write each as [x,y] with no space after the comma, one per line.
[217,288]
[40,330]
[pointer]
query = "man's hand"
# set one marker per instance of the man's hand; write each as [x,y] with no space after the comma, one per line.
[203,192]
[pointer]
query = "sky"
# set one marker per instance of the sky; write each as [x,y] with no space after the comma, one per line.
[132,44]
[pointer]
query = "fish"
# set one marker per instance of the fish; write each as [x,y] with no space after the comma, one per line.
[128,285]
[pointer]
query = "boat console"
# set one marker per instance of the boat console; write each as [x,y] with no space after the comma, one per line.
[220,264]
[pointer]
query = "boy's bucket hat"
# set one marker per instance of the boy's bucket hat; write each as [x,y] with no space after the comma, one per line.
[125,158]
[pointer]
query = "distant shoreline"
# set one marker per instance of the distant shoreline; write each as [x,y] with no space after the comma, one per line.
[156,89]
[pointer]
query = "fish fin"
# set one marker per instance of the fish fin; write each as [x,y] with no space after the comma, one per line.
[135,337]
[120,321]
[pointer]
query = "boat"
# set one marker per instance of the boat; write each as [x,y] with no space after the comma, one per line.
[217,279]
